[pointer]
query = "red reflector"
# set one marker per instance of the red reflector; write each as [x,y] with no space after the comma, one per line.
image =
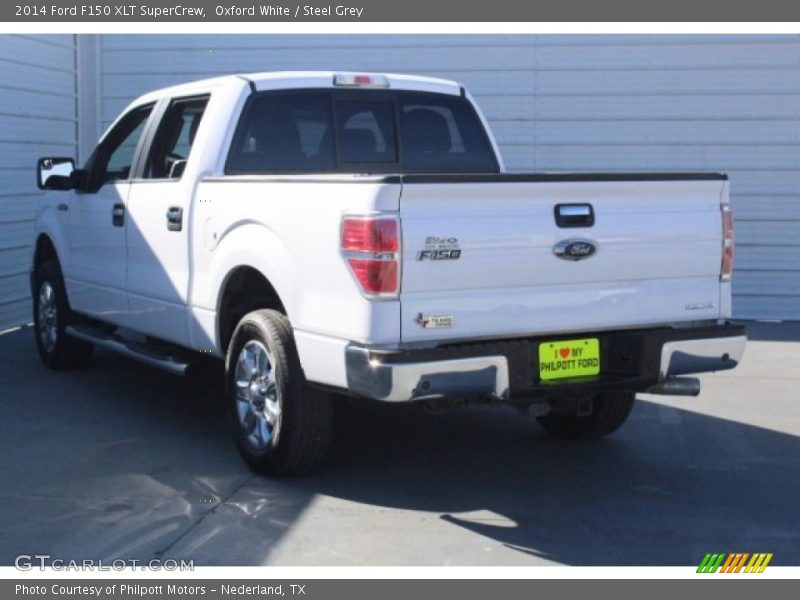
[727,262]
[727,243]
[369,235]
[375,276]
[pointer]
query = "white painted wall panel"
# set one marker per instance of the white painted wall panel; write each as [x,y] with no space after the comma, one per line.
[37,109]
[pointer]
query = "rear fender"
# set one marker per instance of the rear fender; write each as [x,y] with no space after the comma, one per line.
[245,244]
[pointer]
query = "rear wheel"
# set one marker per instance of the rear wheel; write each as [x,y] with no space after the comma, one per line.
[609,411]
[281,425]
[51,315]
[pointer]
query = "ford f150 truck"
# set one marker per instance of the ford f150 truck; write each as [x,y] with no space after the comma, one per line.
[331,234]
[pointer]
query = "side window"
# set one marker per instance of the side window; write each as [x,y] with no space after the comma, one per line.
[174,138]
[284,133]
[366,131]
[114,156]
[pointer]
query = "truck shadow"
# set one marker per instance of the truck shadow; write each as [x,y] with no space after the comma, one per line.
[133,463]
[668,487]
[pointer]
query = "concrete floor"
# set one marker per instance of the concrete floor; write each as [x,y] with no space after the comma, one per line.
[121,461]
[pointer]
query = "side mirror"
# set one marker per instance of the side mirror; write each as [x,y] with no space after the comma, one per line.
[55,173]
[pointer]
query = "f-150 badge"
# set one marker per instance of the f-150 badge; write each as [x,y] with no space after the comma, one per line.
[440,248]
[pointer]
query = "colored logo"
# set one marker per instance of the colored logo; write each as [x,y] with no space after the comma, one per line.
[734,562]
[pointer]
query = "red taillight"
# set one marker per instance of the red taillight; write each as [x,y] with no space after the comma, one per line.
[727,243]
[367,234]
[371,246]
[375,276]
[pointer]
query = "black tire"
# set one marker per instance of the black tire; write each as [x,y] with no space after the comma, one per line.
[299,439]
[56,348]
[609,411]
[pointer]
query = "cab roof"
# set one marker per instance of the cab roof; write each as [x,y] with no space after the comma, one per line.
[277,80]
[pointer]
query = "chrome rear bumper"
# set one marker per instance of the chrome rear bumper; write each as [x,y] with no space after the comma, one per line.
[681,357]
[485,376]
[504,369]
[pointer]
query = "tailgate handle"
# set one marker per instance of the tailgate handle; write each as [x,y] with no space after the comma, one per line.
[574,215]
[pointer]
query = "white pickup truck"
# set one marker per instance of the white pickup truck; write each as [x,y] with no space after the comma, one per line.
[331,234]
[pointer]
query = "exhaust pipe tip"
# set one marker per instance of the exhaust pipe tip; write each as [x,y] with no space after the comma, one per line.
[676,386]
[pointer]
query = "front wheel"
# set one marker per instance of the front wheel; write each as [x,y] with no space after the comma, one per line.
[51,315]
[280,424]
[609,411]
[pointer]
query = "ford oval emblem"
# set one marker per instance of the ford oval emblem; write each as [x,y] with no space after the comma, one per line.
[574,249]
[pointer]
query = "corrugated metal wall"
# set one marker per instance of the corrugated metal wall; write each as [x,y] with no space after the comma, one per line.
[38,113]
[729,103]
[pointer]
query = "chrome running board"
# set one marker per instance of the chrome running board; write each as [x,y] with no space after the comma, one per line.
[144,353]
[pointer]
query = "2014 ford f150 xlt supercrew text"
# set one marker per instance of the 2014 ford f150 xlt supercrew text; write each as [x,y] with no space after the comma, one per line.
[329,234]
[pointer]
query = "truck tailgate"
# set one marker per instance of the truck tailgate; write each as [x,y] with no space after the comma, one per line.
[479,260]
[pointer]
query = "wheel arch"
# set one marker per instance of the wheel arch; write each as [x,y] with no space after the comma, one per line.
[244,289]
[44,249]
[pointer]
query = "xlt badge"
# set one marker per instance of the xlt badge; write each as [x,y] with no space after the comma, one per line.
[699,306]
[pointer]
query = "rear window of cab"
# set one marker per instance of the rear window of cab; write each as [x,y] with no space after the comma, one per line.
[331,131]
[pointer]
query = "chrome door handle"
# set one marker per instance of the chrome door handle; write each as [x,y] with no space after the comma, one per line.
[175,218]
[118,215]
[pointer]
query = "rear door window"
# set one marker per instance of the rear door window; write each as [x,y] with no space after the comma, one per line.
[174,138]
